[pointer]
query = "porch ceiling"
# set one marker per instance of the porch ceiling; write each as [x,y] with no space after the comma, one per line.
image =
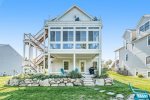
[71,55]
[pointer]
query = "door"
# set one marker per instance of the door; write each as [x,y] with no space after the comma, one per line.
[82,65]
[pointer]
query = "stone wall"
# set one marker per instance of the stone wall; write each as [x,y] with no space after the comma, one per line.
[46,82]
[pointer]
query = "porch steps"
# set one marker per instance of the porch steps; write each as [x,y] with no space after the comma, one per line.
[88,80]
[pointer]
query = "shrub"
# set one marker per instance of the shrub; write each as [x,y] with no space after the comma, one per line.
[36,76]
[74,74]
[22,76]
[140,76]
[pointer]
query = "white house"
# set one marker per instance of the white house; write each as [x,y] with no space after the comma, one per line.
[134,56]
[10,61]
[69,41]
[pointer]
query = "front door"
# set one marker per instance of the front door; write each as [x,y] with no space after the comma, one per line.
[82,64]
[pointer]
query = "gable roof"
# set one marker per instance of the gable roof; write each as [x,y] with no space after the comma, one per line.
[74,6]
[143,17]
[128,30]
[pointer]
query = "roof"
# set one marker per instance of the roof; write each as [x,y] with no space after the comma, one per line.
[3,44]
[119,49]
[128,30]
[147,34]
[143,17]
[74,6]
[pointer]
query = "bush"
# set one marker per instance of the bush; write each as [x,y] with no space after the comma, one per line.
[140,76]
[37,76]
[74,74]
[22,76]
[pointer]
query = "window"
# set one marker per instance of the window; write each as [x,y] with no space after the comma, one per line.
[67,35]
[80,46]
[55,36]
[142,28]
[137,73]
[67,27]
[133,45]
[80,27]
[148,60]
[54,46]
[95,64]
[126,57]
[66,65]
[67,46]
[148,74]
[148,40]
[93,27]
[80,35]
[93,46]
[147,26]
[93,35]
[55,28]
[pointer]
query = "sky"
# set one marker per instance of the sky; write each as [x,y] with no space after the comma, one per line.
[27,16]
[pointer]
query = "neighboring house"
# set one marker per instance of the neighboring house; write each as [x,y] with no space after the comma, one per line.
[134,56]
[70,41]
[10,61]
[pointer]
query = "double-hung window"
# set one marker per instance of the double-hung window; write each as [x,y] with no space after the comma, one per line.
[148,60]
[93,35]
[80,35]
[55,36]
[67,35]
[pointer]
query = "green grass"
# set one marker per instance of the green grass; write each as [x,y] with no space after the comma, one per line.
[140,83]
[59,93]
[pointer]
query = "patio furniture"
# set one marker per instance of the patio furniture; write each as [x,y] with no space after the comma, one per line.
[108,81]
[76,70]
[91,70]
[139,94]
[63,73]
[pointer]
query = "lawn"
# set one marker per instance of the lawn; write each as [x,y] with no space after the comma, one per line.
[141,83]
[59,93]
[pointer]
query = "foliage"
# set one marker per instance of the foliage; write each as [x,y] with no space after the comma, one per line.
[140,76]
[37,76]
[22,76]
[74,74]
[103,75]
[106,64]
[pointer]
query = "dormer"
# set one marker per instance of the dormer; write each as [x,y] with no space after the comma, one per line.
[143,27]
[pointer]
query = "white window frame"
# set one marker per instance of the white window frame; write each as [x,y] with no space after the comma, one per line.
[146,61]
[147,74]
[147,40]
[125,57]
[68,64]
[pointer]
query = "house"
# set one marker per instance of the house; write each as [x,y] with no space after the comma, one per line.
[134,56]
[70,41]
[10,61]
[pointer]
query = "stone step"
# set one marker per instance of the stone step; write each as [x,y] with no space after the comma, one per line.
[88,75]
[88,81]
[89,84]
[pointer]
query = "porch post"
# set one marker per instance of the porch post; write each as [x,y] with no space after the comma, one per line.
[99,64]
[49,64]
[74,61]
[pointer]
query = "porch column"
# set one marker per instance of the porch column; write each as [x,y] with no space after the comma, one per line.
[49,64]
[74,61]
[99,64]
